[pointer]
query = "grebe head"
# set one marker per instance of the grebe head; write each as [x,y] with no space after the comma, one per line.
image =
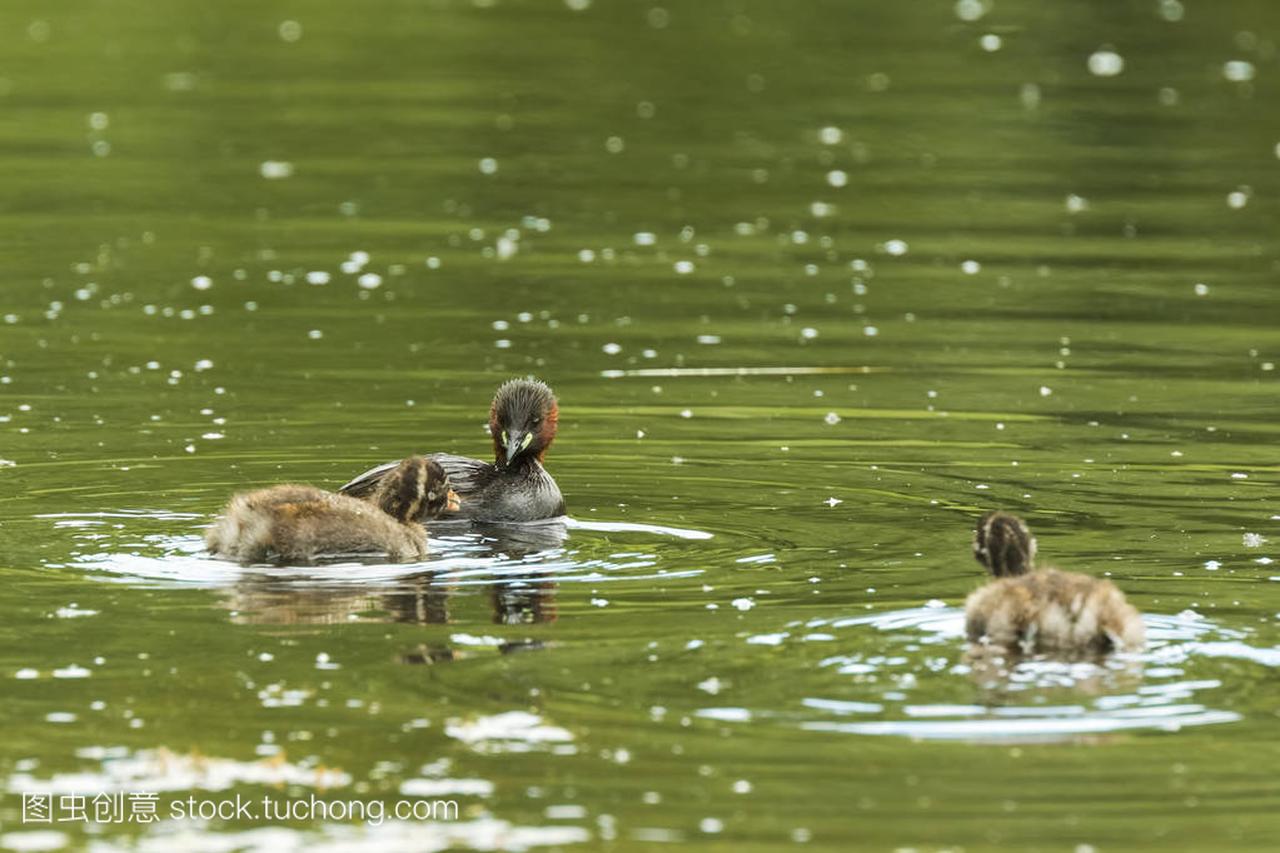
[522,421]
[418,488]
[1003,543]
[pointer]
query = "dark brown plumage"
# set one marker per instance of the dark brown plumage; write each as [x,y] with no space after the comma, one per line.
[1043,611]
[294,524]
[514,487]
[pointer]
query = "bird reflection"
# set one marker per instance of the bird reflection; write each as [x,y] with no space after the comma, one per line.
[261,600]
[424,598]
[1005,679]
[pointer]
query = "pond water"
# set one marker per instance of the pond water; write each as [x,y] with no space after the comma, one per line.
[816,285]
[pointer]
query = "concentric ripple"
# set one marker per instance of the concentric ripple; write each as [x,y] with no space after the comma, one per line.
[460,553]
[916,680]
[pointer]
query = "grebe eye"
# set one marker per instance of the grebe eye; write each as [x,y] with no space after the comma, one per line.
[505,442]
[528,437]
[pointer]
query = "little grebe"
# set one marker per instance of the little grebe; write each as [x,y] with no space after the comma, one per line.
[1033,611]
[293,524]
[515,486]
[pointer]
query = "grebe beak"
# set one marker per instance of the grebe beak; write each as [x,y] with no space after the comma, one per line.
[516,442]
[451,501]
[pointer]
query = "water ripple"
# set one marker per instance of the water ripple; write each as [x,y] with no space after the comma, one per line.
[907,685]
[460,554]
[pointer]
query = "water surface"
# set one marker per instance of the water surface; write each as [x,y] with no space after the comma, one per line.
[816,284]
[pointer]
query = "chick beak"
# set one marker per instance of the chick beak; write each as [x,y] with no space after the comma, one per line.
[451,501]
[515,444]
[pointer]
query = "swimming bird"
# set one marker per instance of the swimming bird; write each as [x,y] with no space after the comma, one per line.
[1043,611]
[514,487]
[293,524]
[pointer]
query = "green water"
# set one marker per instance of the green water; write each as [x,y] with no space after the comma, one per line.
[816,283]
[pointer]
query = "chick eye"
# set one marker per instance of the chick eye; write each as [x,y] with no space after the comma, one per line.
[505,442]
[528,437]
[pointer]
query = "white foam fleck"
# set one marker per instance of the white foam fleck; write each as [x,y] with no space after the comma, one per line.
[35,841]
[712,685]
[441,787]
[831,135]
[473,640]
[729,715]
[1238,71]
[970,10]
[71,611]
[768,639]
[1105,62]
[275,170]
[512,731]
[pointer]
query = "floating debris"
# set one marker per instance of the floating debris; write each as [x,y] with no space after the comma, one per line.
[1105,62]
[275,170]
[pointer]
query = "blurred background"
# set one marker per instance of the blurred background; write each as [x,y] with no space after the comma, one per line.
[816,283]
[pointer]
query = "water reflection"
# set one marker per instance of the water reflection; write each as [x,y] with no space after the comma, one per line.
[257,600]
[421,598]
[1033,699]
[901,672]
[1055,278]
[521,566]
